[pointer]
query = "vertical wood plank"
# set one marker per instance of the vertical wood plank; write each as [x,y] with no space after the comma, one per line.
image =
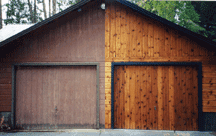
[139,48]
[145,37]
[123,81]
[161,40]
[144,104]
[190,97]
[27,97]
[154,97]
[88,91]
[92,94]
[116,83]
[94,33]
[118,31]
[173,46]
[81,91]
[55,99]
[119,97]
[177,109]
[179,46]
[150,39]
[45,96]
[149,99]
[34,96]
[188,108]
[113,31]
[181,99]
[127,98]
[156,40]
[52,95]
[132,96]
[123,33]
[137,98]
[107,31]
[160,98]
[184,46]
[195,99]
[167,42]
[132,35]
[183,95]
[61,97]
[166,98]
[196,49]
[19,101]
[191,48]
[171,98]
[127,30]
[40,99]
[50,88]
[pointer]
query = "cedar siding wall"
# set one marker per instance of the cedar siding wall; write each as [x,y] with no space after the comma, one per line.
[74,37]
[131,37]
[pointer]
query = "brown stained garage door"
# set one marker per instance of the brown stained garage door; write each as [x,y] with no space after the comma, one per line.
[156,97]
[56,97]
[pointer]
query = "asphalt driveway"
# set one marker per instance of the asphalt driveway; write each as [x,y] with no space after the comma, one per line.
[109,132]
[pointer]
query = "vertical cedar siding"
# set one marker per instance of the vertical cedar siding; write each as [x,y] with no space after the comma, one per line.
[74,37]
[142,39]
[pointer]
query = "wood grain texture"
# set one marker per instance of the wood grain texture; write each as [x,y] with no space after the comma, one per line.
[65,39]
[156,97]
[159,43]
[56,96]
[154,36]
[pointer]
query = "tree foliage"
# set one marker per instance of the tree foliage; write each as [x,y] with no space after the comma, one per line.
[207,12]
[179,12]
[15,12]
[19,12]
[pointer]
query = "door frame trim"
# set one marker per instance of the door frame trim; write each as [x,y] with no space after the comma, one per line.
[35,64]
[198,64]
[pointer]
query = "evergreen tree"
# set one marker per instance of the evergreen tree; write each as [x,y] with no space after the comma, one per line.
[21,12]
[207,12]
[179,12]
[15,12]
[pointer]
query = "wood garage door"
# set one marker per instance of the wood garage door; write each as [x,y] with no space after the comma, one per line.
[56,97]
[156,97]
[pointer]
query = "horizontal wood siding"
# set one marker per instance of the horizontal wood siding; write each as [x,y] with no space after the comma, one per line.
[74,37]
[143,39]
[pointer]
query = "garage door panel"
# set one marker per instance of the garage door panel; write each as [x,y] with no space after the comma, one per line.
[156,97]
[56,97]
